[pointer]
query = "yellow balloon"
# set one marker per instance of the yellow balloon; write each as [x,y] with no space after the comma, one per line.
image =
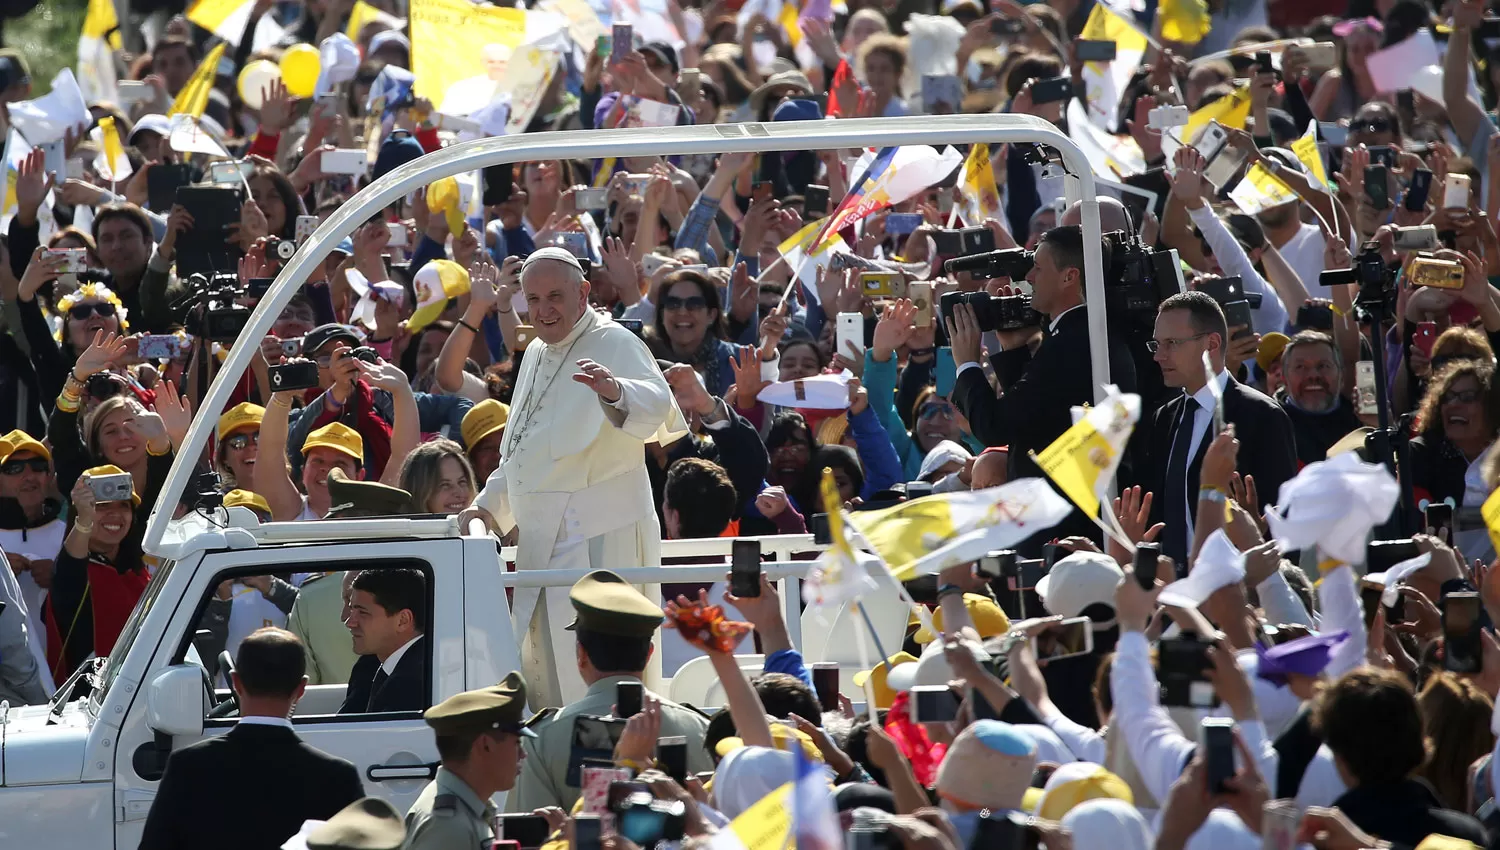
[299,69]
[254,78]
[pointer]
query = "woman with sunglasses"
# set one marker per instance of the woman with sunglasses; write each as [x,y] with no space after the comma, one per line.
[90,309]
[239,445]
[1457,422]
[31,530]
[690,328]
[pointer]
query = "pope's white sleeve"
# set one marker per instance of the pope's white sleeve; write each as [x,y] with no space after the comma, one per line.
[495,498]
[1338,594]
[1281,603]
[645,399]
[1157,746]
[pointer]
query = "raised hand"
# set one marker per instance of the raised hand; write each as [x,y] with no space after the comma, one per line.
[597,377]
[176,412]
[42,269]
[106,349]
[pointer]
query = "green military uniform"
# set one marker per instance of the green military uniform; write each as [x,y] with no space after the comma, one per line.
[315,617]
[368,824]
[604,604]
[449,815]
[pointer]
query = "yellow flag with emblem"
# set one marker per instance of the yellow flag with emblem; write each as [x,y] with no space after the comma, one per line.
[193,99]
[1260,190]
[977,182]
[1107,82]
[838,576]
[1306,149]
[1083,460]
[116,166]
[1230,110]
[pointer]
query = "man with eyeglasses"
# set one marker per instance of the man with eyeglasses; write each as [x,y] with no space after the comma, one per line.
[1317,397]
[1189,325]
[31,533]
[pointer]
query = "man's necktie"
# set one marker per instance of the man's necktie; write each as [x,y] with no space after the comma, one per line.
[1177,466]
[375,685]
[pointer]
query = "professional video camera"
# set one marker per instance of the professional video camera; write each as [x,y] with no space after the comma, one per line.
[1376,300]
[995,313]
[210,307]
[1014,263]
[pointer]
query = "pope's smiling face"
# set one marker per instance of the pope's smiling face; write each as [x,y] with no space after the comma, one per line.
[556,296]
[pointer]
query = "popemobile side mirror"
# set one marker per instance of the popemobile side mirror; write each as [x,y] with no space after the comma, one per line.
[174,701]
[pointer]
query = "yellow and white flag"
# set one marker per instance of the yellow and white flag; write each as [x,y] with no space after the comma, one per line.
[97,41]
[193,99]
[928,535]
[111,162]
[1107,81]
[1184,21]
[1260,190]
[1306,149]
[804,263]
[227,19]
[981,197]
[1083,460]
[364,14]
[839,574]
[1230,110]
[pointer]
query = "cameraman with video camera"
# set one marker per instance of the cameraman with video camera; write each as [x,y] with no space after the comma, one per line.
[1042,372]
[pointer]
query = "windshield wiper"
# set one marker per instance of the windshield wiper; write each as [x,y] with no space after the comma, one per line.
[64,693]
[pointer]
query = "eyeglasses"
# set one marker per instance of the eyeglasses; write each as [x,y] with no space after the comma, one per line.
[16,467]
[1373,125]
[1169,343]
[1459,397]
[692,302]
[932,411]
[239,441]
[83,311]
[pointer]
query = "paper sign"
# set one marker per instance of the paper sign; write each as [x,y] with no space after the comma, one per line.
[527,79]
[650,113]
[1393,68]
[583,21]
[1260,190]
[457,42]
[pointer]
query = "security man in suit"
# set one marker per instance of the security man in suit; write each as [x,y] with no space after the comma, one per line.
[201,798]
[479,735]
[1169,449]
[613,624]
[368,824]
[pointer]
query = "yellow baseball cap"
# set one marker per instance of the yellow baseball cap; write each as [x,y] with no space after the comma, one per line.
[884,696]
[783,736]
[20,441]
[1073,784]
[482,420]
[1270,348]
[339,437]
[987,617]
[111,469]
[247,499]
[242,415]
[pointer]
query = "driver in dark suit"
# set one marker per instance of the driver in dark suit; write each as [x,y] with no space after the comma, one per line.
[386,619]
[201,799]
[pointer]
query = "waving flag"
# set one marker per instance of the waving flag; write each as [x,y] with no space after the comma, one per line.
[1083,460]
[227,20]
[815,821]
[928,535]
[1106,81]
[97,41]
[111,163]
[803,261]
[1260,190]
[1184,21]
[1306,149]
[977,182]
[1230,110]
[193,99]
[894,175]
[841,76]
[839,575]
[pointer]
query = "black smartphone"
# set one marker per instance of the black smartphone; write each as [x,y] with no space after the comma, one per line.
[744,568]
[1462,652]
[1145,564]
[1182,664]
[976,240]
[1438,516]
[593,738]
[529,831]
[1223,289]
[1051,90]
[1089,50]
[1377,190]
[1383,155]
[821,535]
[635,326]
[1263,63]
[934,703]
[1237,315]
[671,754]
[1216,740]
[1155,182]
[825,676]
[1001,562]
[1369,597]
[628,697]
[1006,26]
[1489,28]
[1381,555]
[298,375]
[162,182]
[1051,552]
[588,832]
[815,202]
[948,242]
[1416,193]
[1318,317]
[499,182]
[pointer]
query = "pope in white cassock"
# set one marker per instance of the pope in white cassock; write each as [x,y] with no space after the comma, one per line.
[572,475]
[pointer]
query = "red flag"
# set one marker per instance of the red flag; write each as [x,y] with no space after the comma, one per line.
[840,77]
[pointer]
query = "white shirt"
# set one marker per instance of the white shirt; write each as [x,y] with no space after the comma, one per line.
[389,665]
[1203,419]
[1304,253]
[262,720]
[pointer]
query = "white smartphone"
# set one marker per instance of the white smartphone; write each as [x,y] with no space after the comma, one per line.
[132,92]
[592,199]
[1211,140]
[344,161]
[652,263]
[1456,192]
[76,259]
[397,231]
[851,334]
[1073,636]
[306,224]
[1420,237]
[1364,384]
[75,169]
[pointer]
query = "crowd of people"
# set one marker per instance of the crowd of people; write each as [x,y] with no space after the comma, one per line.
[727,359]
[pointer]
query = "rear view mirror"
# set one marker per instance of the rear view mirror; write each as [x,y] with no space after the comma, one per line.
[174,701]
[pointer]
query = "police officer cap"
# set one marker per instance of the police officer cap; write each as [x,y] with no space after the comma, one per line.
[352,498]
[368,824]
[607,605]
[498,707]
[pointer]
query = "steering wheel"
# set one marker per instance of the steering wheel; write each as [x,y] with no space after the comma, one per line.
[231,703]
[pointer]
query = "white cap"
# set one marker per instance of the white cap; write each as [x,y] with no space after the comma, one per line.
[1219,565]
[820,392]
[932,668]
[1078,581]
[552,252]
[155,123]
[941,455]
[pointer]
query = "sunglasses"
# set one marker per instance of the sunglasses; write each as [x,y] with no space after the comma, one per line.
[83,311]
[933,410]
[240,441]
[16,467]
[692,302]
[1374,125]
[1459,397]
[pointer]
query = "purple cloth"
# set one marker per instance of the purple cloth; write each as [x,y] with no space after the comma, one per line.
[1304,656]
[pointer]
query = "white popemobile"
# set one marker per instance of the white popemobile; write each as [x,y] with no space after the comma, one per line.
[81,773]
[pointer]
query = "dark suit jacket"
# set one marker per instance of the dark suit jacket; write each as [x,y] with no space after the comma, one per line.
[1267,448]
[251,788]
[1038,392]
[403,690]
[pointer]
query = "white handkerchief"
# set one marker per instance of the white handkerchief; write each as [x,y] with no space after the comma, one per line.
[1219,565]
[1391,579]
[820,392]
[1333,504]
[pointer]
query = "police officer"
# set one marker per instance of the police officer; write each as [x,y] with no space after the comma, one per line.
[614,625]
[368,824]
[479,737]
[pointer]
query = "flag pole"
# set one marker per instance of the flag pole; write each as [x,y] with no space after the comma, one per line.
[864,664]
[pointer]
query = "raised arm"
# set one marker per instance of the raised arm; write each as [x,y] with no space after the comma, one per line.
[272,476]
[406,431]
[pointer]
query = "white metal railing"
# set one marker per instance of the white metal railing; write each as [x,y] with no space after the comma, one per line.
[783,546]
